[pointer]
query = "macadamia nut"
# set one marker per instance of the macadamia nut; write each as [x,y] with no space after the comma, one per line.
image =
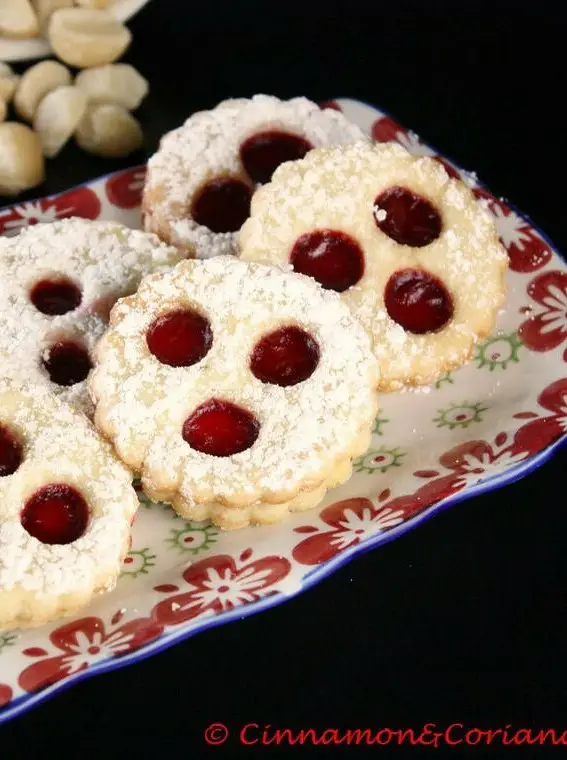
[83,37]
[57,117]
[22,165]
[109,131]
[94,3]
[44,9]
[36,83]
[17,19]
[8,84]
[117,83]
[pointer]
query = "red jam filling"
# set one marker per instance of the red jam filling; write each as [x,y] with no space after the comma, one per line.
[410,219]
[180,338]
[332,258]
[54,297]
[418,301]
[220,428]
[67,363]
[285,357]
[222,205]
[11,452]
[55,514]
[262,153]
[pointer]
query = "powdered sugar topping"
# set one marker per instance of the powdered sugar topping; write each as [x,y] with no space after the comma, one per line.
[104,260]
[207,146]
[60,446]
[337,189]
[304,429]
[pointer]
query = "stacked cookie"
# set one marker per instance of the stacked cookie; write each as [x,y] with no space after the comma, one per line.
[66,501]
[238,391]
[200,182]
[412,253]
[302,269]
[66,505]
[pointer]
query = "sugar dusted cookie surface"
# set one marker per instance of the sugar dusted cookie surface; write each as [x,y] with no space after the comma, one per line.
[200,182]
[411,251]
[238,392]
[66,505]
[59,282]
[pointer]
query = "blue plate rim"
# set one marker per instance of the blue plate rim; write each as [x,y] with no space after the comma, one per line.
[26,702]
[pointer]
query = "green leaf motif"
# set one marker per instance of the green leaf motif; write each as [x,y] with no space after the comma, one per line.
[7,640]
[459,415]
[498,352]
[138,562]
[193,538]
[381,459]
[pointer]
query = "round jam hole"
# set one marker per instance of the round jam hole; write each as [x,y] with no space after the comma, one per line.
[67,363]
[285,357]
[406,217]
[332,258]
[55,514]
[11,452]
[418,301]
[220,428]
[262,153]
[53,297]
[180,338]
[222,205]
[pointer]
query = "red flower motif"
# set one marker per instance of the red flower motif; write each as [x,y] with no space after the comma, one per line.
[124,189]
[350,522]
[81,201]
[331,104]
[469,462]
[536,435]
[427,495]
[5,694]
[220,583]
[476,460]
[386,129]
[527,251]
[83,643]
[547,328]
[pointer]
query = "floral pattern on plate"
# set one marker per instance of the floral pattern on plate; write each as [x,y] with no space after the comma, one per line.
[475,429]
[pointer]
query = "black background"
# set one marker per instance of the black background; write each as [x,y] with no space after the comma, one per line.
[465,619]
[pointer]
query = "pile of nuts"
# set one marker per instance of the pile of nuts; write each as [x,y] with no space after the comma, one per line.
[94,106]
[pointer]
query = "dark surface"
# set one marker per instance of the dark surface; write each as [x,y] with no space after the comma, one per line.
[465,619]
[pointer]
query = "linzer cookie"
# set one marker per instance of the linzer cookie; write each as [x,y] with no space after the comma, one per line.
[237,391]
[411,251]
[66,505]
[200,182]
[58,283]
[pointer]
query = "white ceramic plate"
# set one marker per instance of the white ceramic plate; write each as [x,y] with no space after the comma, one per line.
[29,49]
[477,429]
